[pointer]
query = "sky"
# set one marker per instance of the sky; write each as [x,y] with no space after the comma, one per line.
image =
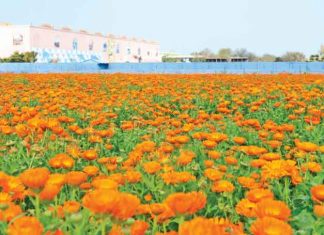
[184,26]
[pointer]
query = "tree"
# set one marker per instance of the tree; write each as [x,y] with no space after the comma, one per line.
[322,50]
[30,57]
[252,57]
[166,59]
[225,53]
[278,59]
[241,52]
[268,58]
[16,57]
[293,56]
[204,53]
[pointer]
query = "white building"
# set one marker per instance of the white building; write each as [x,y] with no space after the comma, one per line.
[65,45]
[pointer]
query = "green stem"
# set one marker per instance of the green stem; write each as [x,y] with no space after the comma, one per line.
[103,227]
[154,229]
[37,209]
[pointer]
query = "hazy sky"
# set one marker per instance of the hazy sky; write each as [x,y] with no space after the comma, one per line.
[183,26]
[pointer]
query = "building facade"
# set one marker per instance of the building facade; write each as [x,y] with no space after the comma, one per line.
[66,46]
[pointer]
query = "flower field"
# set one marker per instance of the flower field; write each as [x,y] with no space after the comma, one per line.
[161,154]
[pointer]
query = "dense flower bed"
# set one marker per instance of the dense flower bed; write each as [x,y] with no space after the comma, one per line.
[161,154]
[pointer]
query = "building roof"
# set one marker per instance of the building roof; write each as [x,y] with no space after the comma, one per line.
[81,31]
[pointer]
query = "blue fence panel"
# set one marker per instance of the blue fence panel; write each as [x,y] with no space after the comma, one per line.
[235,67]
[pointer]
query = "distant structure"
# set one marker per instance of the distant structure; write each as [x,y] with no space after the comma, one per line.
[64,45]
[317,57]
[171,57]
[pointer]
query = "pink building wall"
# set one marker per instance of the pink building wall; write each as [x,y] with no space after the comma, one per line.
[7,36]
[45,37]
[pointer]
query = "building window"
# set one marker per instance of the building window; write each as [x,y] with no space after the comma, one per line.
[57,43]
[104,47]
[129,51]
[139,51]
[148,53]
[91,46]
[17,39]
[75,44]
[117,49]
[157,54]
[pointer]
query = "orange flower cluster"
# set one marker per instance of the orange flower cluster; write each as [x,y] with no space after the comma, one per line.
[161,154]
[186,203]
[120,205]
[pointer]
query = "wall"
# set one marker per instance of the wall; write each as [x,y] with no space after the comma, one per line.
[41,39]
[238,67]
[149,51]
[7,35]
[45,37]
[245,67]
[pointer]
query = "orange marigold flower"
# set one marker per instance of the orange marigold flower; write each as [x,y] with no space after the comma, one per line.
[186,203]
[57,179]
[274,143]
[5,198]
[139,228]
[246,208]
[257,163]
[61,161]
[146,146]
[306,146]
[104,183]
[24,226]
[90,154]
[231,160]
[91,170]
[257,195]
[214,154]
[116,230]
[222,168]
[120,205]
[217,137]
[317,193]
[177,177]
[239,140]
[49,192]
[148,197]
[312,167]
[223,186]
[272,208]
[253,150]
[247,182]
[127,126]
[270,156]
[132,176]
[278,168]
[270,226]
[203,226]
[185,157]
[76,177]
[71,207]
[182,139]
[10,212]
[209,144]
[213,174]
[200,226]
[208,163]
[319,210]
[35,177]
[151,167]
[166,148]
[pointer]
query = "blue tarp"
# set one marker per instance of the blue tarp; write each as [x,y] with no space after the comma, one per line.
[235,67]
